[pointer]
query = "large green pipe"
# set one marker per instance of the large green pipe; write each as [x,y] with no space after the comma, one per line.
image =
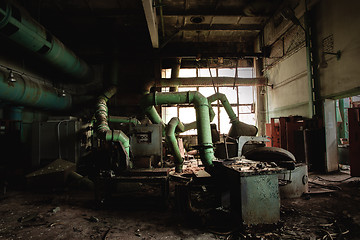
[172,142]
[103,130]
[26,92]
[192,125]
[237,128]
[117,119]
[17,25]
[202,117]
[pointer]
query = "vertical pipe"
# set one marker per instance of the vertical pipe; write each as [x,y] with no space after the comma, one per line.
[103,130]
[309,63]
[202,117]
[172,142]
[260,99]
[175,70]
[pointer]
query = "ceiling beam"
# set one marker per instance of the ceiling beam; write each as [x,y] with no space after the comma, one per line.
[219,27]
[212,12]
[209,49]
[150,15]
[210,81]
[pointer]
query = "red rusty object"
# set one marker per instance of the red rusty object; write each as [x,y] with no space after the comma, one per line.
[354,141]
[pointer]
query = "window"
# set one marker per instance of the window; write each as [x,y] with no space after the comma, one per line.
[241,98]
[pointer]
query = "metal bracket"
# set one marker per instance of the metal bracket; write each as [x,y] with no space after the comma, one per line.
[245,139]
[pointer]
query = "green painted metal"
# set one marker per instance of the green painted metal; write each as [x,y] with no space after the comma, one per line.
[103,130]
[192,125]
[202,117]
[172,142]
[30,93]
[17,25]
[343,128]
[238,128]
[117,119]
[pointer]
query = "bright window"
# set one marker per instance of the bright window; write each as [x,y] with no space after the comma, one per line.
[241,98]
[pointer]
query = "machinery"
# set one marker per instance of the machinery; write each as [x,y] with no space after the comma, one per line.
[137,153]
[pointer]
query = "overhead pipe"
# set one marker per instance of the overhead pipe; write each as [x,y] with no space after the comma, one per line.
[206,81]
[25,91]
[103,130]
[238,128]
[17,25]
[174,124]
[202,117]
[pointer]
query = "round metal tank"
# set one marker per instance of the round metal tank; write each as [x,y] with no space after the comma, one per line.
[295,182]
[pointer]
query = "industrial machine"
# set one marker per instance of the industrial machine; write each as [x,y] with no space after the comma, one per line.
[137,154]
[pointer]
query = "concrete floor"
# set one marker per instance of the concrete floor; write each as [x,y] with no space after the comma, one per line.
[73,214]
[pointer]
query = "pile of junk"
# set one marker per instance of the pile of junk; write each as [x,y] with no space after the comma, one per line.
[246,177]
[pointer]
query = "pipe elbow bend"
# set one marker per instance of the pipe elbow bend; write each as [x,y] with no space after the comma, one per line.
[147,100]
[199,99]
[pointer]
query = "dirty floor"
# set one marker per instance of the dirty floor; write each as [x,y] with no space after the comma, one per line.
[330,212]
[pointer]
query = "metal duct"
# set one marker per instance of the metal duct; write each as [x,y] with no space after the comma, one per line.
[116,119]
[103,130]
[237,128]
[205,146]
[17,25]
[27,92]
[172,142]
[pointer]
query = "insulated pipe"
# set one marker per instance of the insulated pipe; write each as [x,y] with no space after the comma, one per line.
[202,117]
[237,128]
[17,25]
[103,130]
[117,119]
[26,92]
[153,115]
[192,125]
[172,142]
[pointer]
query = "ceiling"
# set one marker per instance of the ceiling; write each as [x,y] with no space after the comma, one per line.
[186,28]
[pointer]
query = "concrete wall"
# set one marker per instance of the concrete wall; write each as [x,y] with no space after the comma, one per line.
[341,19]
[289,95]
[286,67]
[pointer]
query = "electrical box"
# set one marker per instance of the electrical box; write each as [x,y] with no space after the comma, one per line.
[146,140]
[54,139]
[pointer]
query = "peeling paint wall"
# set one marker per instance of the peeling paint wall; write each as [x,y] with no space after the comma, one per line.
[289,95]
[340,21]
[335,26]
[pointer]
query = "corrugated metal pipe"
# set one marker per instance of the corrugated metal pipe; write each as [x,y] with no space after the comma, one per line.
[103,130]
[237,128]
[202,117]
[172,142]
[25,91]
[17,25]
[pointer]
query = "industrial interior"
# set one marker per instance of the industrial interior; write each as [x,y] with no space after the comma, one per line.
[179,119]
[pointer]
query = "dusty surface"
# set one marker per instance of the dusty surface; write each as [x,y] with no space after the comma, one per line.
[73,214]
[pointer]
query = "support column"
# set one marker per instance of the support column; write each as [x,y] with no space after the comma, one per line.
[260,99]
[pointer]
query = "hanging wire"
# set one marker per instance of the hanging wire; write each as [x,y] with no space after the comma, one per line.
[212,80]
[236,72]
